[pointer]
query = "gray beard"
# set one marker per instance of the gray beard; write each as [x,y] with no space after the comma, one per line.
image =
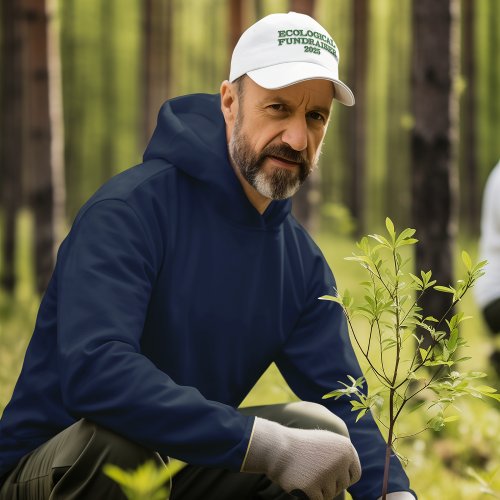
[280,183]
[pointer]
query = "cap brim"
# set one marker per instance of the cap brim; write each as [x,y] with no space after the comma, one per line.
[286,74]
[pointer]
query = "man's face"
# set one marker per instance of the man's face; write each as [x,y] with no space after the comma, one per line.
[276,135]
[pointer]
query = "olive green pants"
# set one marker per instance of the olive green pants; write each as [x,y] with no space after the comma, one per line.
[68,466]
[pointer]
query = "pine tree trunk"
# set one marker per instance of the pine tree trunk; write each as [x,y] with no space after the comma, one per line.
[108,88]
[470,207]
[11,130]
[235,22]
[157,36]
[73,108]
[397,201]
[358,116]
[45,182]
[433,143]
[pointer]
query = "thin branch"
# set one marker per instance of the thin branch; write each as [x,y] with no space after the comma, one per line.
[380,376]
[404,436]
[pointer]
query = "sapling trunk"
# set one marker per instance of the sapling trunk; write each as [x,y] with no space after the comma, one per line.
[388,449]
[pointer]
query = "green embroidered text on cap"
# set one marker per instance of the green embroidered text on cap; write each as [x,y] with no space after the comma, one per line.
[281,50]
[313,41]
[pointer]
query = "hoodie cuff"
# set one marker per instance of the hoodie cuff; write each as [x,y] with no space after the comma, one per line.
[248,447]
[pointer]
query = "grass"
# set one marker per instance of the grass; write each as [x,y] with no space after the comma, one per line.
[439,463]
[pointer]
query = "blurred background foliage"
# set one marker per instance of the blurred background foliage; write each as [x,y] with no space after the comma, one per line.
[111,64]
[103,94]
[119,61]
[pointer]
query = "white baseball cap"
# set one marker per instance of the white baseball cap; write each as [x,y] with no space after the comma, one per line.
[283,49]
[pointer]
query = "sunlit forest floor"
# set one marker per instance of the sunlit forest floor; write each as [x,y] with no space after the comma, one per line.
[440,463]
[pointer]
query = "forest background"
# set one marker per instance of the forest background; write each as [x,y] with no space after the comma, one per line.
[82,82]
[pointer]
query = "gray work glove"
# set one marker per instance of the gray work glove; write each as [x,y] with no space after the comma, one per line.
[319,463]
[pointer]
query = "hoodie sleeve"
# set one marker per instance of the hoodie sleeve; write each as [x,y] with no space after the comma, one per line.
[107,269]
[318,355]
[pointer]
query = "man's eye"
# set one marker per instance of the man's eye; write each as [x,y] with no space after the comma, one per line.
[277,107]
[317,116]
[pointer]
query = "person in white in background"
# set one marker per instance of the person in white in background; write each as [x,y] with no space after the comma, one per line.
[487,289]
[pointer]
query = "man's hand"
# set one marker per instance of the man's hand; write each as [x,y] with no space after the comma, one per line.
[319,463]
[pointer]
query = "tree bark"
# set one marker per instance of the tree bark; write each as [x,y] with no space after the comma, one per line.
[45,167]
[11,130]
[358,116]
[397,200]
[74,108]
[235,22]
[307,199]
[433,144]
[108,69]
[471,206]
[157,60]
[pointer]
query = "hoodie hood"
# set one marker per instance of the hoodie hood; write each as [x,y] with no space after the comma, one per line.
[191,135]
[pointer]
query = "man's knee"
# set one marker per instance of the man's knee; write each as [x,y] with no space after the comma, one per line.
[309,415]
[68,466]
[78,464]
[301,415]
[92,439]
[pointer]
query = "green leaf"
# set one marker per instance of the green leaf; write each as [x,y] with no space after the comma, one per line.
[361,414]
[431,318]
[439,362]
[479,266]
[406,233]
[357,405]
[485,389]
[417,280]
[451,344]
[335,394]
[451,418]
[447,289]
[423,353]
[383,241]
[436,423]
[359,381]
[145,482]
[408,241]
[332,298]
[347,299]
[466,260]
[390,228]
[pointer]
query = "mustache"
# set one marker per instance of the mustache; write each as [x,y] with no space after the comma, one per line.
[286,153]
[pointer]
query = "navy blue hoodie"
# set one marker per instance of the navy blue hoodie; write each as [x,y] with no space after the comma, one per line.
[170,297]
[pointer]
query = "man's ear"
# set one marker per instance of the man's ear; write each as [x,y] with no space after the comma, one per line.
[229,104]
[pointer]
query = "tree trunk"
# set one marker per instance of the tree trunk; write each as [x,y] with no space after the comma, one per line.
[108,69]
[358,116]
[11,130]
[470,207]
[434,176]
[397,200]
[74,108]
[307,199]
[235,22]
[45,182]
[157,36]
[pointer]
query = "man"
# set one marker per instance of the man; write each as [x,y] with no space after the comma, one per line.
[180,281]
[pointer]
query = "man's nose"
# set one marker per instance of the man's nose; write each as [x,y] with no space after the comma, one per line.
[295,133]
